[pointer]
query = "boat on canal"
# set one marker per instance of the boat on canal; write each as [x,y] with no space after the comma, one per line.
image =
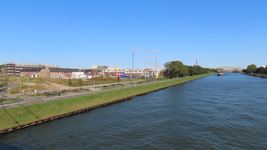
[220,74]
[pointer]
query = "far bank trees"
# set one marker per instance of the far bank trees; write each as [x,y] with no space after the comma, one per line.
[253,69]
[178,69]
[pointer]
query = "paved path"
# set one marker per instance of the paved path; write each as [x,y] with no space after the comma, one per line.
[36,101]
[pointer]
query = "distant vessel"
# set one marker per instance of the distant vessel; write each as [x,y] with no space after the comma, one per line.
[220,74]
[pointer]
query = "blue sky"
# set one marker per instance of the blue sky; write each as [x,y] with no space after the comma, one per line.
[79,34]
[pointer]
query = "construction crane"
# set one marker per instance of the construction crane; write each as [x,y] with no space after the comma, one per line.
[115,65]
[138,51]
[150,58]
[149,64]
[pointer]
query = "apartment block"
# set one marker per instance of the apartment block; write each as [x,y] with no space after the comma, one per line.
[13,69]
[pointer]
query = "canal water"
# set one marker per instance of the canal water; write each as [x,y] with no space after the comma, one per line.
[214,112]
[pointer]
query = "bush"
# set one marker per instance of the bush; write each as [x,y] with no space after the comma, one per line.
[69,82]
[75,90]
[118,78]
[80,83]
[63,91]
[46,93]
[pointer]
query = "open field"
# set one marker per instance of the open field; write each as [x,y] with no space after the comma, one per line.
[19,115]
[56,84]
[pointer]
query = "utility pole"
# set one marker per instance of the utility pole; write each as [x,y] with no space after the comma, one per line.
[20,87]
[28,85]
[134,81]
[94,87]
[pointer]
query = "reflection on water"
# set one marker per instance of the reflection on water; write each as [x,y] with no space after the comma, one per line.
[210,113]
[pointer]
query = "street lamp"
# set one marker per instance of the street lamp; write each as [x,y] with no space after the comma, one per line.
[94,87]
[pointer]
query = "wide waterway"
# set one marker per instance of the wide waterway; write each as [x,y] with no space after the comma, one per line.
[214,112]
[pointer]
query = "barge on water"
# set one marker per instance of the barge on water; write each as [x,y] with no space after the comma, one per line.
[220,74]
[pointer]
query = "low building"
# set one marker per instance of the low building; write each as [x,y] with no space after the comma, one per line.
[61,72]
[78,75]
[99,67]
[89,73]
[138,72]
[33,72]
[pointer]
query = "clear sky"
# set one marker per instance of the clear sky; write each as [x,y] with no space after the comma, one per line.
[79,34]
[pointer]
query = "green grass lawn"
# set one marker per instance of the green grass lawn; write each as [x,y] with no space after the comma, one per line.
[19,115]
[9,99]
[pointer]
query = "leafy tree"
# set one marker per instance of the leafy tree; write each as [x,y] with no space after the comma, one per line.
[251,68]
[262,70]
[192,70]
[244,70]
[143,77]
[187,69]
[80,83]
[176,68]
[118,78]
[69,82]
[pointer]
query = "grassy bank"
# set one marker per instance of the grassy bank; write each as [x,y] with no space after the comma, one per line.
[260,75]
[257,75]
[19,115]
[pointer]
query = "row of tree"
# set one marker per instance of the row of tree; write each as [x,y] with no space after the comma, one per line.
[178,69]
[253,69]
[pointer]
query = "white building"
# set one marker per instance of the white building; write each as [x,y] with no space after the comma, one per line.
[100,67]
[129,72]
[78,75]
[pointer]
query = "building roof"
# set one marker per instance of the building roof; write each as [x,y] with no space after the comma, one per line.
[32,69]
[86,70]
[63,70]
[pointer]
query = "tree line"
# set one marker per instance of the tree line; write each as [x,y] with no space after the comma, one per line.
[253,69]
[178,69]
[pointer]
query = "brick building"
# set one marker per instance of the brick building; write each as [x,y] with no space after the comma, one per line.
[33,72]
[61,72]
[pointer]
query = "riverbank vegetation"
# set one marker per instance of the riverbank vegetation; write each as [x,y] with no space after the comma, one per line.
[20,115]
[256,71]
[178,69]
